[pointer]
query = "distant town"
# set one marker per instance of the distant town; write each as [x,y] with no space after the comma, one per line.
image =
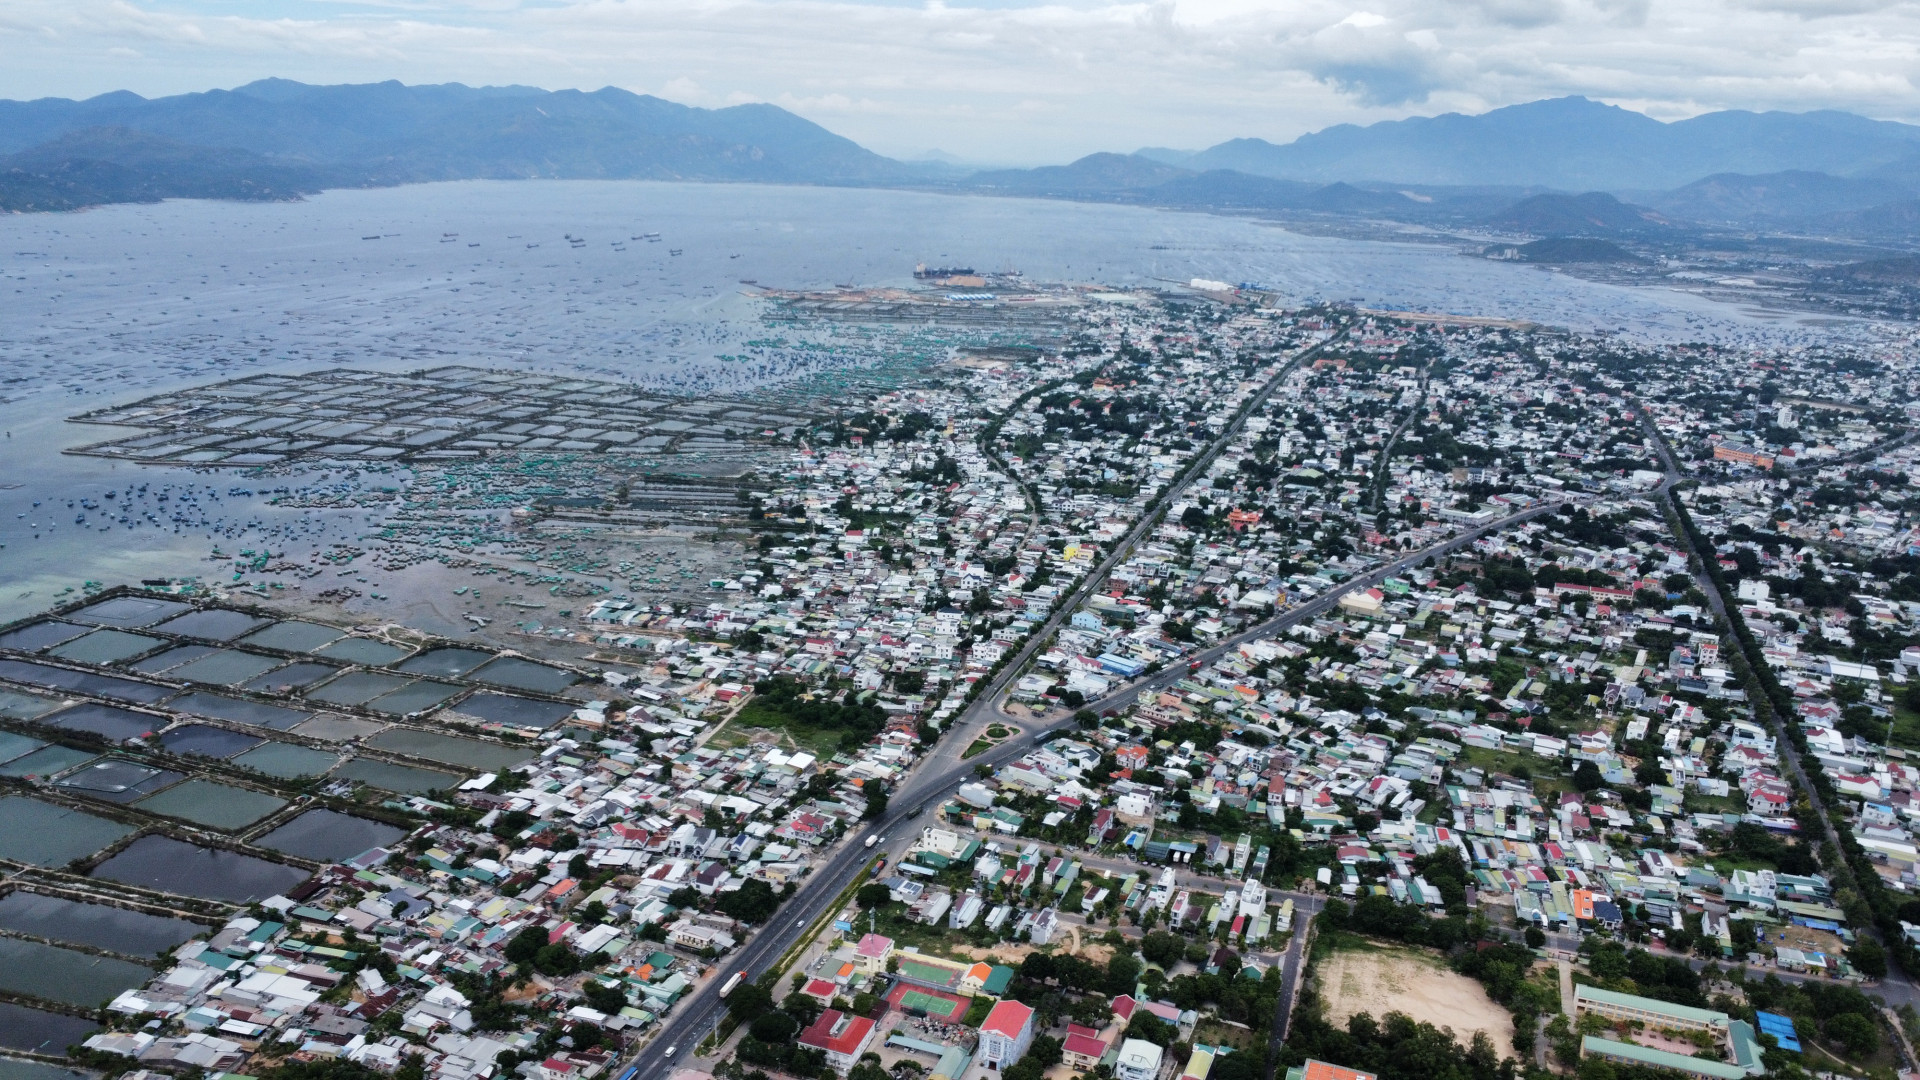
[1159,684]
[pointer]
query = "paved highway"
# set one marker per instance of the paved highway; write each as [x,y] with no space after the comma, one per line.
[943,770]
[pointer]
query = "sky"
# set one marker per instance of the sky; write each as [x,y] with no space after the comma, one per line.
[1012,81]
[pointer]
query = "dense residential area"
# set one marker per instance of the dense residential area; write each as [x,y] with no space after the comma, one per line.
[1227,690]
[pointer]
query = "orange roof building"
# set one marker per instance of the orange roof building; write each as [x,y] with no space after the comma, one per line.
[1321,1070]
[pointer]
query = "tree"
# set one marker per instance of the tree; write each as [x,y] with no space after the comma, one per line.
[601,996]
[326,1068]
[1536,937]
[557,959]
[1150,1028]
[876,794]
[1868,958]
[1123,971]
[748,1001]
[801,1007]
[526,945]
[1163,948]
[872,896]
[511,824]
[774,1027]
[752,902]
[1586,776]
[1855,1032]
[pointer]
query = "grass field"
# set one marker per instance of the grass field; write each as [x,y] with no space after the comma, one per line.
[1906,728]
[1548,777]
[822,744]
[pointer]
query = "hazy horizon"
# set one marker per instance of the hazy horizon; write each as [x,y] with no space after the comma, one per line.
[1004,81]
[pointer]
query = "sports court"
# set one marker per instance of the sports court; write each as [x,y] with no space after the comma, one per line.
[935,1003]
[947,975]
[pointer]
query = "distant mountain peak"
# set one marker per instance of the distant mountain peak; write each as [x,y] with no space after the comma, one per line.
[1576,143]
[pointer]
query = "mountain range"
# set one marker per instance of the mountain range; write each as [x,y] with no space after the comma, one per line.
[287,137]
[1565,166]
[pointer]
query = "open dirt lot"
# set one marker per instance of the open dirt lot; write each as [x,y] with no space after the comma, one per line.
[1395,980]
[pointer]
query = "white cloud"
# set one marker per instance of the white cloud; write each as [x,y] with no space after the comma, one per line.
[1044,80]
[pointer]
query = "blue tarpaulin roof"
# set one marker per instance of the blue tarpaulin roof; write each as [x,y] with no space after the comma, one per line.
[1780,1027]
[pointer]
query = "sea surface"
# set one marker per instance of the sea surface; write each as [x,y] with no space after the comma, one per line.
[110,305]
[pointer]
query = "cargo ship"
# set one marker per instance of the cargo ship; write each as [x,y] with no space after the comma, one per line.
[924,272]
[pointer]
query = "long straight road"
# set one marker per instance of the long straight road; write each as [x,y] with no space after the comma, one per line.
[942,770]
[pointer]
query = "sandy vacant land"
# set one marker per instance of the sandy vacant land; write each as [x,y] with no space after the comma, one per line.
[1397,980]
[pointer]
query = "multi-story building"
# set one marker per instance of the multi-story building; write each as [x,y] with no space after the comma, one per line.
[1005,1034]
[841,1037]
[1139,1060]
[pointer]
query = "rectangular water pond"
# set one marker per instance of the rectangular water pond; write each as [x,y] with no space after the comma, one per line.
[14,746]
[294,636]
[447,663]
[45,762]
[71,978]
[105,720]
[399,779]
[106,647]
[217,806]
[129,612]
[228,667]
[330,728]
[296,676]
[328,836]
[451,749]
[212,624]
[491,708]
[418,697]
[203,740]
[43,834]
[20,705]
[85,682]
[133,933]
[517,674]
[172,658]
[40,1032]
[241,711]
[286,761]
[40,635]
[359,650]
[117,780]
[358,687]
[166,864]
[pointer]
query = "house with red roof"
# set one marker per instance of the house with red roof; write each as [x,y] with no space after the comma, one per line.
[1005,1035]
[1083,1048]
[841,1037]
